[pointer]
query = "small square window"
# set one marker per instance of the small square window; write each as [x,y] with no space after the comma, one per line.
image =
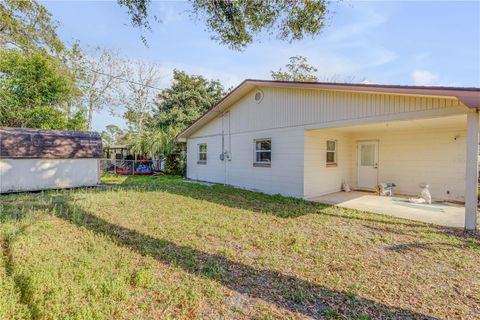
[263,151]
[202,153]
[331,152]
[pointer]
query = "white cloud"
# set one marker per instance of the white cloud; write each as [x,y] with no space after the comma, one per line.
[425,78]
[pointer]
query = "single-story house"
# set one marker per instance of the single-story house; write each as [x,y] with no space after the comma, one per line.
[304,139]
[37,159]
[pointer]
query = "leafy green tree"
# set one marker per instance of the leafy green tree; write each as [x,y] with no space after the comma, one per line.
[113,135]
[235,23]
[177,106]
[28,26]
[36,88]
[186,99]
[49,117]
[35,92]
[298,69]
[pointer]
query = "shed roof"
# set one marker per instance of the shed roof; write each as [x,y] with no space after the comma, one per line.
[20,143]
[468,96]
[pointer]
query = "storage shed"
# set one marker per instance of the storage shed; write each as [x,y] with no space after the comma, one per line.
[38,159]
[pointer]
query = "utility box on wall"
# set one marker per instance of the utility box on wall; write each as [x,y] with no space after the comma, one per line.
[38,159]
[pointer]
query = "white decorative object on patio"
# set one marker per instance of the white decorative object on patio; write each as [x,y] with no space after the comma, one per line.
[440,213]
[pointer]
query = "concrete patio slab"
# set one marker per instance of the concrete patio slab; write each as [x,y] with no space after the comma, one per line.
[440,213]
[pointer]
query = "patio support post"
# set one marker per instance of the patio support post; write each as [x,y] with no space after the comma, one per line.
[471,179]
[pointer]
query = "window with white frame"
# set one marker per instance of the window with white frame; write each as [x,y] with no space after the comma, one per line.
[263,151]
[331,152]
[202,153]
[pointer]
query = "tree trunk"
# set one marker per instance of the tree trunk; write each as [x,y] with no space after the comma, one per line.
[90,116]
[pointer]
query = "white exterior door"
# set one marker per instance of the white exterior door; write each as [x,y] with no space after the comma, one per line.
[367,164]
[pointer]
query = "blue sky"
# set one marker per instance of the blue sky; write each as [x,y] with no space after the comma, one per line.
[422,43]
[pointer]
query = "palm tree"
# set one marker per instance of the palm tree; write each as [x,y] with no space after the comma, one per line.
[160,144]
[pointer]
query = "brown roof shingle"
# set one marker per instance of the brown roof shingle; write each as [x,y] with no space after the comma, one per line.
[49,144]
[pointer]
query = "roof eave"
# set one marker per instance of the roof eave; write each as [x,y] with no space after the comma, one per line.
[182,136]
[468,96]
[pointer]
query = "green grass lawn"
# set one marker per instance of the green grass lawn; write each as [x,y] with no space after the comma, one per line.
[164,248]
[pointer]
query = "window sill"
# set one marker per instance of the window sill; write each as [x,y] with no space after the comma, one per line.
[332,165]
[262,165]
[201,162]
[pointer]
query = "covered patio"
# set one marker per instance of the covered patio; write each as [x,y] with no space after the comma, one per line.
[439,213]
[439,151]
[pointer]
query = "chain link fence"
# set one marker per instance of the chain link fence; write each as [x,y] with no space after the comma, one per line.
[128,167]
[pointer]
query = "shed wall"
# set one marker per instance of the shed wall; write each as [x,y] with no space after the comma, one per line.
[38,174]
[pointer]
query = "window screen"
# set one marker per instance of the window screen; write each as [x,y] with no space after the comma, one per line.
[263,151]
[331,152]
[202,152]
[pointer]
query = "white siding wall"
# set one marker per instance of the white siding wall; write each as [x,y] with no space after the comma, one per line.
[214,127]
[409,158]
[39,174]
[284,114]
[297,107]
[214,169]
[320,179]
[406,157]
[285,176]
